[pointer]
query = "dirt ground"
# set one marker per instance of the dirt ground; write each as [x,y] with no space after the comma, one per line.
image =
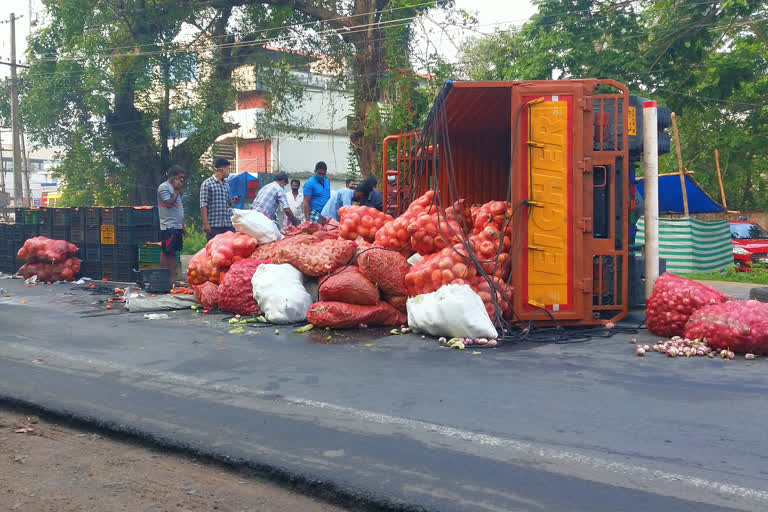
[46,467]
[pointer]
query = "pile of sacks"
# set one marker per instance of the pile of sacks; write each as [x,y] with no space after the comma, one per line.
[262,271]
[680,307]
[356,272]
[48,259]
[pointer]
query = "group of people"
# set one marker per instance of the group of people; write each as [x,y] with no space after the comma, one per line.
[314,202]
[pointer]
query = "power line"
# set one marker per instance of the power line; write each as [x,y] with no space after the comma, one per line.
[12,64]
[358,28]
[712,25]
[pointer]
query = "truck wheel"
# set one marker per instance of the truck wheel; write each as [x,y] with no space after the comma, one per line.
[760,294]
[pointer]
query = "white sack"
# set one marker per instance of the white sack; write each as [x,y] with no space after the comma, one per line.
[256,225]
[453,311]
[279,291]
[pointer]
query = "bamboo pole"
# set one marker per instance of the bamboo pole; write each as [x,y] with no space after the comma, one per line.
[720,179]
[680,164]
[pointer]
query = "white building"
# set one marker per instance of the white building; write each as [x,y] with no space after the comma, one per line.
[324,115]
[41,163]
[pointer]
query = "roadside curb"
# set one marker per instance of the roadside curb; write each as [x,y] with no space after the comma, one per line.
[323,490]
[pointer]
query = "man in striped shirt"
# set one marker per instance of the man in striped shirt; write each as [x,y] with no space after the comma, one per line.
[215,202]
[272,195]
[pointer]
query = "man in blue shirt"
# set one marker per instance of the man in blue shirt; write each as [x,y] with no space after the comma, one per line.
[341,197]
[317,191]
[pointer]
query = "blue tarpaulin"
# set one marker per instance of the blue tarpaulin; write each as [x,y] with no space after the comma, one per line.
[238,186]
[671,196]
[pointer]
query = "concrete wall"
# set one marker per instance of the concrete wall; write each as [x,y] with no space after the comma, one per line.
[754,216]
[298,157]
[324,111]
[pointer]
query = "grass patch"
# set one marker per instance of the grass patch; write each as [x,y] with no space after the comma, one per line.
[758,275]
[194,241]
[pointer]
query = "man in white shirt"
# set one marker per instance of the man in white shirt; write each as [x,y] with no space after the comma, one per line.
[295,203]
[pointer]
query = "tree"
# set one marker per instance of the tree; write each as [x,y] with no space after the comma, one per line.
[359,30]
[119,77]
[705,60]
[116,79]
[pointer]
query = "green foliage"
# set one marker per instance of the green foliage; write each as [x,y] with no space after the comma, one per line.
[707,61]
[194,241]
[91,178]
[758,275]
[139,90]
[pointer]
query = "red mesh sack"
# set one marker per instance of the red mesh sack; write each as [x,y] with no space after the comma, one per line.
[326,235]
[317,259]
[235,293]
[500,291]
[207,295]
[268,251]
[432,232]
[740,326]
[305,227]
[61,271]
[361,221]
[201,269]
[350,286]
[449,266]
[493,213]
[673,300]
[43,249]
[385,314]
[384,268]
[461,213]
[394,234]
[28,270]
[398,302]
[227,248]
[492,250]
[342,315]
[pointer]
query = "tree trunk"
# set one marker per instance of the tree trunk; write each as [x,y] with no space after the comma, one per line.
[164,121]
[133,143]
[367,67]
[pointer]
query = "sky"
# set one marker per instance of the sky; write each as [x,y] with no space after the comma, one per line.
[18,7]
[491,15]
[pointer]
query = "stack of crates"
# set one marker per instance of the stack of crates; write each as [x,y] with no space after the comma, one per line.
[85,233]
[28,225]
[122,230]
[149,257]
[107,238]
[12,237]
[7,246]
[55,223]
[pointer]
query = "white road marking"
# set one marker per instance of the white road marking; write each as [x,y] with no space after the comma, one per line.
[627,474]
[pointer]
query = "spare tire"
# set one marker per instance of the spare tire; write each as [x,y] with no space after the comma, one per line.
[760,294]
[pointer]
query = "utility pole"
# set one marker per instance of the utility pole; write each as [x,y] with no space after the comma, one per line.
[2,164]
[18,196]
[25,167]
[651,193]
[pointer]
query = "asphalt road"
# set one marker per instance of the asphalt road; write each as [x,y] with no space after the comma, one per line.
[378,421]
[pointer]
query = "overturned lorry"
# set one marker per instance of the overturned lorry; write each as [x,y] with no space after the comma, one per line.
[562,154]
